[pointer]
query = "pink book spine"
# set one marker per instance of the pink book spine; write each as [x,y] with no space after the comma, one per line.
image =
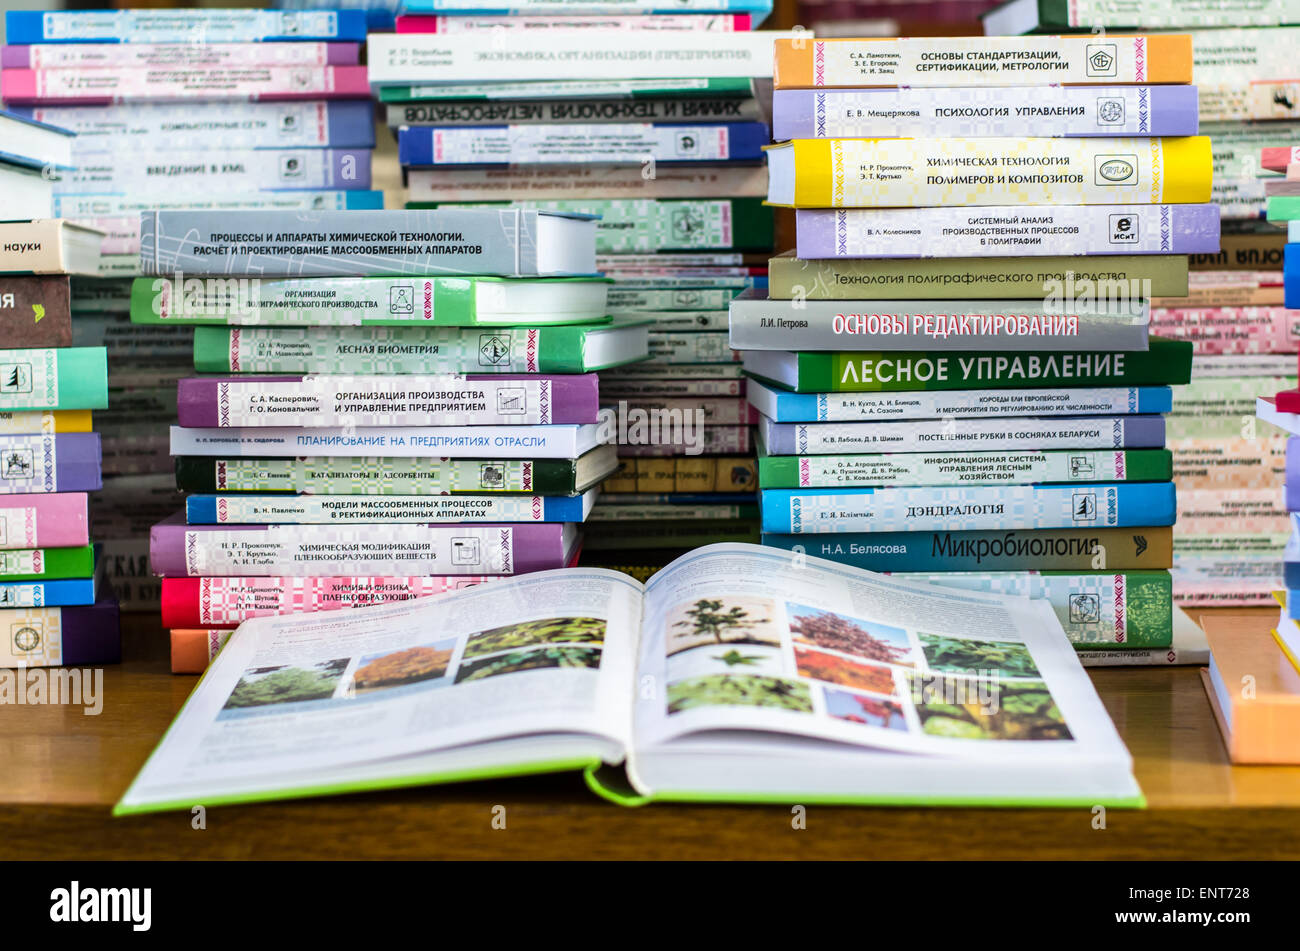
[57,520]
[187,55]
[221,602]
[1279,158]
[1229,329]
[95,86]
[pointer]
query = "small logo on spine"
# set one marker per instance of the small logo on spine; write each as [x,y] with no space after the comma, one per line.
[1102,60]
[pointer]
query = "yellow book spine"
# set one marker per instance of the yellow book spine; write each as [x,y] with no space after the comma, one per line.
[893,173]
[44,421]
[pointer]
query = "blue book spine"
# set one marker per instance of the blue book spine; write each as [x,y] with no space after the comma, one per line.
[254,509]
[1291,275]
[56,593]
[967,508]
[1291,574]
[504,145]
[145,26]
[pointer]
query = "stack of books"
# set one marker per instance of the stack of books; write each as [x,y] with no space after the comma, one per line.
[954,373]
[655,122]
[1232,523]
[174,110]
[443,427]
[52,609]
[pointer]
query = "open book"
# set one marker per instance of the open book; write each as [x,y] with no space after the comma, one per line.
[737,673]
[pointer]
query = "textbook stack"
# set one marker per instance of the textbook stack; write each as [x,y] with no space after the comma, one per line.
[414,434]
[1283,409]
[1232,523]
[52,610]
[655,122]
[181,109]
[954,372]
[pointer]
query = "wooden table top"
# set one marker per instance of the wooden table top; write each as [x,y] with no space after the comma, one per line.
[63,771]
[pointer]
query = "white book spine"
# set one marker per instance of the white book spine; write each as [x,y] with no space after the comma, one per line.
[495,442]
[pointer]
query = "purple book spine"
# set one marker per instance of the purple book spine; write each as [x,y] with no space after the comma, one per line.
[534,547]
[574,398]
[336,54]
[77,463]
[91,634]
[351,123]
[349,170]
[1293,474]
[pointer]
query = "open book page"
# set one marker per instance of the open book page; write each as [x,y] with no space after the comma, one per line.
[740,637]
[295,701]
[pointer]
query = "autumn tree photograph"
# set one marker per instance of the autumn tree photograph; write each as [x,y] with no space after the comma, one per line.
[835,632]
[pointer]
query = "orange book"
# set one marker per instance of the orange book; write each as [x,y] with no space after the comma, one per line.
[1079,60]
[193,650]
[1254,688]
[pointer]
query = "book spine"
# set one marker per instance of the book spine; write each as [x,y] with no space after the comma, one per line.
[629,300]
[188,26]
[786,407]
[34,247]
[1229,329]
[87,85]
[581,144]
[49,463]
[1279,158]
[56,520]
[329,476]
[1291,275]
[545,8]
[715,440]
[1166,363]
[44,421]
[1105,432]
[579,183]
[1244,252]
[126,341]
[388,350]
[387,401]
[37,564]
[1046,230]
[956,469]
[229,602]
[53,378]
[322,550]
[193,649]
[675,88]
[176,55]
[984,111]
[633,389]
[388,509]
[723,23]
[640,512]
[81,207]
[709,411]
[1219,56]
[1215,407]
[1216,462]
[524,110]
[1065,549]
[968,508]
[1052,278]
[38,594]
[1096,610]
[640,226]
[690,347]
[239,171]
[73,635]
[681,475]
[170,127]
[569,54]
[503,442]
[983,61]
[1006,325]
[35,311]
[1170,14]
[845,173]
[503,242]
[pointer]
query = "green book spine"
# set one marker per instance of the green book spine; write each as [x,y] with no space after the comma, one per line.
[1075,278]
[967,468]
[641,226]
[36,564]
[313,302]
[366,351]
[1284,208]
[620,89]
[1166,363]
[53,378]
[376,476]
